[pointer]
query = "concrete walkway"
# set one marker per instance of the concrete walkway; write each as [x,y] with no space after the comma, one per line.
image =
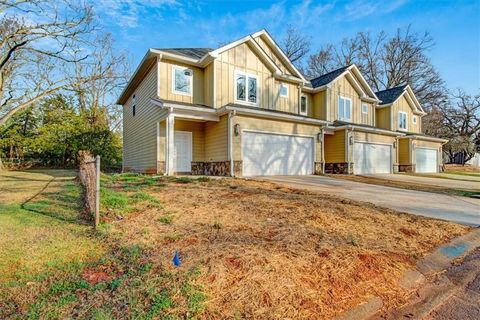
[472,184]
[457,209]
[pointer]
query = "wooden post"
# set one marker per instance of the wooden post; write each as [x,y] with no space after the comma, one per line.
[97,191]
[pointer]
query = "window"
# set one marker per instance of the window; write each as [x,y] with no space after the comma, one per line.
[402,120]
[414,119]
[344,108]
[283,90]
[303,105]
[364,108]
[182,80]
[246,88]
[134,104]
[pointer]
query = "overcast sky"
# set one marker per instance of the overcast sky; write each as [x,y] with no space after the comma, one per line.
[455,25]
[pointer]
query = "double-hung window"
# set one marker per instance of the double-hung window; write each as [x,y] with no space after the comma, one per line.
[283,90]
[402,120]
[344,108]
[182,80]
[365,108]
[303,105]
[246,90]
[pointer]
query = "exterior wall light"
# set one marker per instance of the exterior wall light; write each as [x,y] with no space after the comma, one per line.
[351,140]
[320,137]
[236,129]
[394,144]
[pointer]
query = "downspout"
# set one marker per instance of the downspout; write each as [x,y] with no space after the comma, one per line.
[231,114]
[322,131]
[348,150]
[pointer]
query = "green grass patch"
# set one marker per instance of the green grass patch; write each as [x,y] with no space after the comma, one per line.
[463,173]
[166,219]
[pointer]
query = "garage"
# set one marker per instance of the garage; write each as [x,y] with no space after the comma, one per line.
[426,160]
[267,154]
[371,158]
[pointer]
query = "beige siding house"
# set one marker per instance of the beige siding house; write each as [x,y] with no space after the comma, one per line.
[245,110]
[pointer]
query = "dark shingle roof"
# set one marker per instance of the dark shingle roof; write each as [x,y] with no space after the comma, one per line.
[327,77]
[194,53]
[390,95]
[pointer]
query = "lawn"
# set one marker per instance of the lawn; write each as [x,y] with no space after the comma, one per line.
[248,249]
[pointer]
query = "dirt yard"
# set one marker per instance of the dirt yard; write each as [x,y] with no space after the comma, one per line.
[248,250]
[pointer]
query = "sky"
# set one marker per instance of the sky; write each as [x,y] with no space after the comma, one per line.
[454,25]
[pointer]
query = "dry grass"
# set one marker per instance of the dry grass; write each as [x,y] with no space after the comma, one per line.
[270,252]
[459,168]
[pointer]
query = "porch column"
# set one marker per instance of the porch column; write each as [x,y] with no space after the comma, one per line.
[170,159]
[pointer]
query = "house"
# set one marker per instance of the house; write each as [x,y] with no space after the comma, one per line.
[245,110]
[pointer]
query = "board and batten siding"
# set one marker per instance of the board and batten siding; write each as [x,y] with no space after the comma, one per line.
[383,118]
[242,58]
[216,140]
[276,59]
[166,83]
[404,146]
[335,147]
[140,131]
[402,105]
[273,126]
[343,87]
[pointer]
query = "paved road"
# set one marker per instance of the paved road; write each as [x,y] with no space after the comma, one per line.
[457,209]
[472,184]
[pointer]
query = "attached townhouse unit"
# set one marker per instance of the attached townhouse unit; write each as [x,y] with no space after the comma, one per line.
[245,110]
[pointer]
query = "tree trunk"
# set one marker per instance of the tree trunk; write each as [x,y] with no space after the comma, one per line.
[1,165]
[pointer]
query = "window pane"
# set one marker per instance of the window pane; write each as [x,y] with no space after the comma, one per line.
[347,109]
[252,90]
[241,87]
[303,105]
[182,80]
[341,113]
[283,90]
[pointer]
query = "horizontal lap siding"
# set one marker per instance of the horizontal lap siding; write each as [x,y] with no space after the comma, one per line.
[216,140]
[198,137]
[335,147]
[275,126]
[140,131]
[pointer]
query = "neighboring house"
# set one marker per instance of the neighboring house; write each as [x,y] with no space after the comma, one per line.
[245,110]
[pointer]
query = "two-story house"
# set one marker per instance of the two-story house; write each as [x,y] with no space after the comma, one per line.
[245,110]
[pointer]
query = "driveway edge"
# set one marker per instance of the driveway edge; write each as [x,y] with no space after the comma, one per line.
[432,296]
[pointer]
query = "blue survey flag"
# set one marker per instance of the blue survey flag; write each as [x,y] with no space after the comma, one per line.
[176,259]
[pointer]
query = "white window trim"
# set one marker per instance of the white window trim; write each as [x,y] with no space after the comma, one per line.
[174,68]
[406,120]
[286,86]
[247,75]
[306,105]
[366,109]
[414,119]
[338,109]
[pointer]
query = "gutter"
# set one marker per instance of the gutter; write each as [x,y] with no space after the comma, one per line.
[372,130]
[426,138]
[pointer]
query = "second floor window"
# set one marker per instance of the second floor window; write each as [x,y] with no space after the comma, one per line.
[134,104]
[283,90]
[402,120]
[364,108]
[303,105]
[182,80]
[344,108]
[414,119]
[245,88]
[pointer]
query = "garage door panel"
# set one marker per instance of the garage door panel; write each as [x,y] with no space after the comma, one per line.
[272,154]
[371,158]
[426,160]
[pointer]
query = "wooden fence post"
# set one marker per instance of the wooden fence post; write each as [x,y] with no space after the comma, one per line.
[97,191]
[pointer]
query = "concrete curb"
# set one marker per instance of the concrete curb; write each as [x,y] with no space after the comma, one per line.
[429,265]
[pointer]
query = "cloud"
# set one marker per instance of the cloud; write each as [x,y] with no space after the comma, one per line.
[358,9]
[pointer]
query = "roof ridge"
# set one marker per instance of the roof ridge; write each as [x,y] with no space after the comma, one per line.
[322,75]
[392,88]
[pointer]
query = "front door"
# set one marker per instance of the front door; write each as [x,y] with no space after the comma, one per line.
[183,151]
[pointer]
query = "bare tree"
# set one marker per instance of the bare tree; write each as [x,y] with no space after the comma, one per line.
[461,119]
[320,62]
[36,41]
[387,62]
[295,45]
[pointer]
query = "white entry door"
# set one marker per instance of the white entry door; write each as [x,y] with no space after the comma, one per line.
[266,154]
[183,151]
[372,158]
[426,160]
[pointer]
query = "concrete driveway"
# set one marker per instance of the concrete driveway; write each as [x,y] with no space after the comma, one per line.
[457,209]
[449,182]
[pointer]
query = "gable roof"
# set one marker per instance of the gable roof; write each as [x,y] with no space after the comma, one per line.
[390,95]
[193,53]
[327,77]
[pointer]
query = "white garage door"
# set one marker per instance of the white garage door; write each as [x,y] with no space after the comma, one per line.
[372,158]
[274,154]
[426,160]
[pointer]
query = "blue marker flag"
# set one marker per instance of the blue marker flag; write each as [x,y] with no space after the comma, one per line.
[176,259]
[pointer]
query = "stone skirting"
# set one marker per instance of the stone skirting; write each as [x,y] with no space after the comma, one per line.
[160,167]
[338,168]
[216,168]
[318,168]
[406,168]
